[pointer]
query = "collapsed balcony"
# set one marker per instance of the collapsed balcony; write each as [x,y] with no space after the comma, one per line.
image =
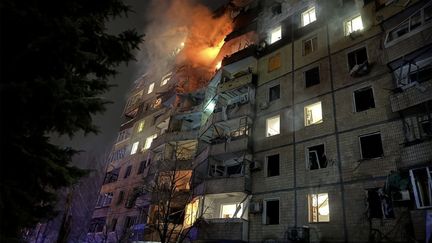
[174,155]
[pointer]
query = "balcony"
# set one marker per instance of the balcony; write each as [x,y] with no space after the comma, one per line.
[173,137]
[240,183]
[416,154]
[233,229]
[235,83]
[230,146]
[412,94]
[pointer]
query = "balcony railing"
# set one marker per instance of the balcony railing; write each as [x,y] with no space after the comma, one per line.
[411,95]
[174,136]
[232,229]
[416,154]
[235,83]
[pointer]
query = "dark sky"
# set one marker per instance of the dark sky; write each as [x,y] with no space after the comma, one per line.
[109,122]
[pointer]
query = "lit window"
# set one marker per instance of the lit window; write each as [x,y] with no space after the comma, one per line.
[276,34]
[371,146]
[319,210]
[308,16]
[150,88]
[231,210]
[273,126]
[141,126]
[191,213]
[165,79]
[353,25]
[134,148]
[313,114]
[310,45]
[149,141]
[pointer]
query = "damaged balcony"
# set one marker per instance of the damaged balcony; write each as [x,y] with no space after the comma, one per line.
[132,105]
[175,155]
[416,154]
[412,33]
[411,95]
[224,217]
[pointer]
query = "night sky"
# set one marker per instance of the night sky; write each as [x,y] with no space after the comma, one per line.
[109,122]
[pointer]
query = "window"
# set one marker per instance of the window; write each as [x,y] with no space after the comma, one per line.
[379,204]
[117,155]
[371,146]
[316,157]
[134,147]
[309,46]
[271,211]
[274,62]
[128,171]
[313,114]
[353,24]
[142,167]
[123,135]
[274,93]
[277,9]
[319,210]
[217,170]
[97,225]
[273,165]
[231,210]
[312,77]
[421,181]
[165,79]
[113,224]
[149,141]
[308,16]
[120,197]
[364,99]
[150,89]
[276,34]
[273,126]
[357,57]
[191,213]
[141,126]
[104,199]
[111,176]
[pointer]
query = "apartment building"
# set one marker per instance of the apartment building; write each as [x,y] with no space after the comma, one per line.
[316,128]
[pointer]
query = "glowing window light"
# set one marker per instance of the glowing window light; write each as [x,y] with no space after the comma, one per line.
[149,141]
[353,25]
[273,126]
[313,114]
[319,209]
[308,16]
[150,89]
[229,210]
[276,34]
[134,148]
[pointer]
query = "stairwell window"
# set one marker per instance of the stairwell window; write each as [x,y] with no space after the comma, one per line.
[276,34]
[319,210]
[141,126]
[353,24]
[308,16]
[313,114]
[150,89]
[273,126]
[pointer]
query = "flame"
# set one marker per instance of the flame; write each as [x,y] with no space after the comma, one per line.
[211,52]
[218,65]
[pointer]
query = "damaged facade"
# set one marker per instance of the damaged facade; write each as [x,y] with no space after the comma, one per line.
[317,127]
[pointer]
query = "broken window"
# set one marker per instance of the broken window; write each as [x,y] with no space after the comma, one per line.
[353,24]
[379,205]
[233,210]
[277,9]
[310,45]
[319,210]
[134,148]
[271,213]
[274,62]
[128,171]
[150,89]
[364,99]
[104,199]
[312,77]
[273,165]
[276,34]
[316,157]
[421,181]
[357,57]
[111,176]
[274,93]
[149,141]
[97,225]
[313,114]
[217,170]
[273,126]
[234,169]
[308,16]
[371,146]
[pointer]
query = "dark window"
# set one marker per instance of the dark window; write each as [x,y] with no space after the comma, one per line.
[357,57]
[364,99]
[426,127]
[274,93]
[421,75]
[273,165]
[120,197]
[217,170]
[316,157]
[272,212]
[312,77]
[310,46]
[371,146]
[234,169]
[129,222]
[277,9]
[142,167]
[176,215]
[113,224]
[379,205]
[128,171]
[97,225]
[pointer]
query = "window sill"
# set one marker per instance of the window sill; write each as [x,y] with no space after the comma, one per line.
[367,159]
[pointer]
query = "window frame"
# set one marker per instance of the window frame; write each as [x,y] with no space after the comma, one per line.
[273,31]
[319,74]
[312,45]
[307,155]
[359,90]
[267,126]
[269,93]
[415,192]
[134,148]
[360,146]
[310,207]
[267,163]
[264,214]
[350,19]
[305,116]
[354,50]
[239,214]
[307,12]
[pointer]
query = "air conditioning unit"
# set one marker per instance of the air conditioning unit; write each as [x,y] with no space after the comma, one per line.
[263,105]
[255,207]
[255,165]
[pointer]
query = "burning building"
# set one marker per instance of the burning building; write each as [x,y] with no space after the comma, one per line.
[276,121]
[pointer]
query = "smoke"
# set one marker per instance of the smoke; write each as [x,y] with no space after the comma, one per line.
[182,33]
